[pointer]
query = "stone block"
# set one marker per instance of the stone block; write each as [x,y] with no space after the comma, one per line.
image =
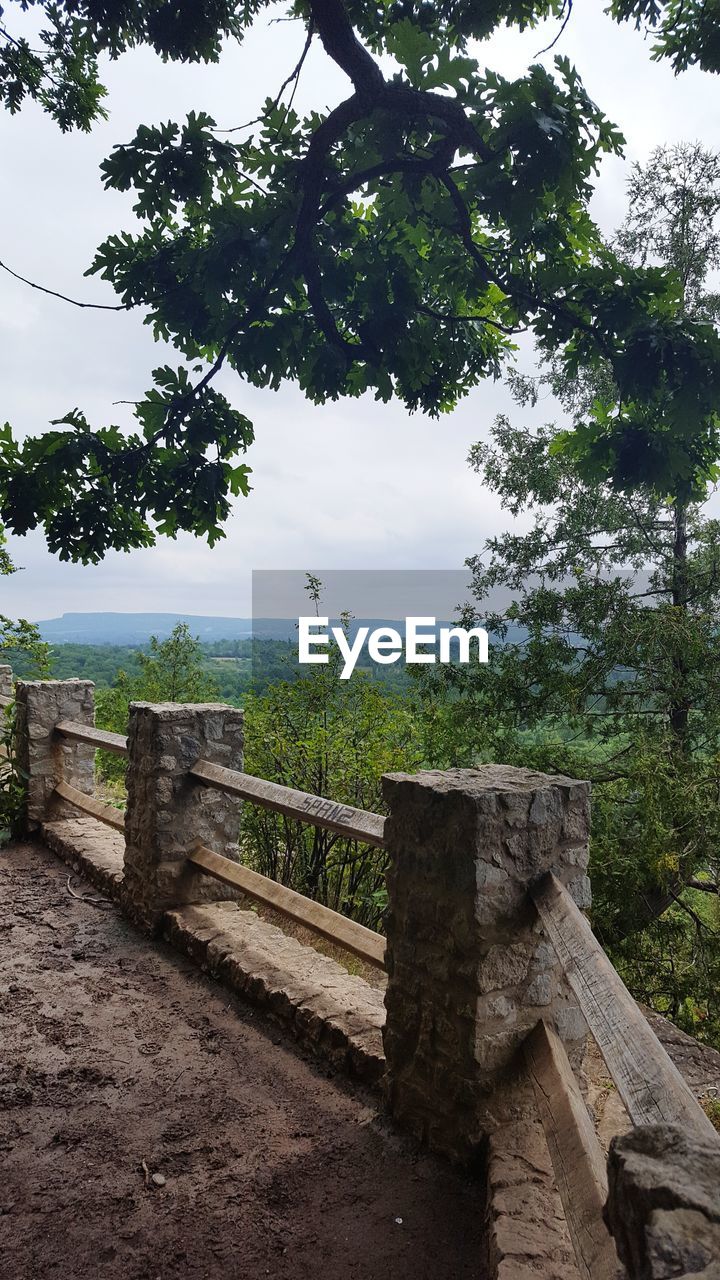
[469,969]
[663,1204]
[168,812]
[42,754]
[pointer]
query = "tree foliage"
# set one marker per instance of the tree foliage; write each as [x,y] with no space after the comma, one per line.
[18,640]
[333,738]
[605,605]
[394,244]
[686,31]
[169,671]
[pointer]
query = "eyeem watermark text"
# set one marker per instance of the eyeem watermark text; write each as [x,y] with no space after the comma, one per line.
[423,642]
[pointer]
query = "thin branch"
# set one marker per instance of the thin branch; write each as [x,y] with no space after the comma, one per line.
[475,319]
[295,73]
[704,886]
[700,924]
[91,306]
[552,44]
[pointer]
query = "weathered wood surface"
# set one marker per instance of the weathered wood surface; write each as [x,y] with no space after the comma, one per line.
[648,1082]
[117,743]
[343,818]
[577,1157]
[91,805]
[345,933]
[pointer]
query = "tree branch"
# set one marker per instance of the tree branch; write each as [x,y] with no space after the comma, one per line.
[704,886]
[91,306]
[342,45]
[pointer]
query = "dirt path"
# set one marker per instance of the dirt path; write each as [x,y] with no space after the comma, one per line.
[115,1051]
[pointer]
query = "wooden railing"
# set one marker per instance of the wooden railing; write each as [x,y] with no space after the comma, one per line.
[332,926]
[73,731]
[117,743]
[369,828]
[90,805]
[648,1082]
[340,818]
[577,1157]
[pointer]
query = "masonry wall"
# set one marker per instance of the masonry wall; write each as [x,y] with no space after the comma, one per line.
[469,972]
[168,811]
[43,756]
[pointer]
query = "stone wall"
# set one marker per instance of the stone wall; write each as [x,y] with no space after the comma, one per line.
[469,971]
[664,1204]
[6,680]
[168,812]
[43,756]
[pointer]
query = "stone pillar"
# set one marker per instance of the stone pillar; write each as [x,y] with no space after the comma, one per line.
[43,756]
[663,1204]
[168,811]
[469,970]
[6,680]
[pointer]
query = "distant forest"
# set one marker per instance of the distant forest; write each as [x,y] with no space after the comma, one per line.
[235,666]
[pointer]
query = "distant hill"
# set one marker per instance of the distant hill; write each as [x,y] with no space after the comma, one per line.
[137,628]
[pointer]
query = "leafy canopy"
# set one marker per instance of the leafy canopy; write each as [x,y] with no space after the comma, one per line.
[604,604]
[394,244]
[170,670]
[330,737]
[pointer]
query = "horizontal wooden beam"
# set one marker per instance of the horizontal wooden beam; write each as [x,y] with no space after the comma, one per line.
[344,933]
[646,1078]
[92,806]
[117,743]
[342,818]
[577,1157]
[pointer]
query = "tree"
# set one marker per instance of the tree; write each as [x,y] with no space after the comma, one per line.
[20,642]
[394,244]
[170,671]
[688,31]
[60,71]
[23,647]
[607,661]
[333,738]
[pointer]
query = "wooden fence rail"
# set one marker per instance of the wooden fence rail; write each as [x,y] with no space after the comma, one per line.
[336,928]
[344,819]
[90,805]
[649,1083]
[577,1157]
[116,743]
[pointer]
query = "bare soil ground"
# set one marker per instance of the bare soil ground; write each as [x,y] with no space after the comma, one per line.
[119,1061]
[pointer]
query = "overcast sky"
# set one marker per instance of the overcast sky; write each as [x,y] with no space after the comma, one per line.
[353,485]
